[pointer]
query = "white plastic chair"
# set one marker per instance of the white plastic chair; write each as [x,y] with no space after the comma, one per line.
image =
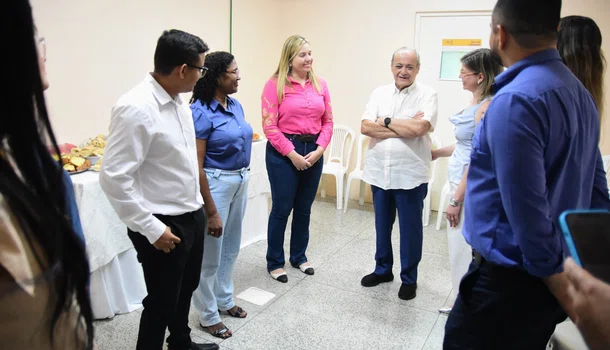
[436,143]
[340,151]
[356,174]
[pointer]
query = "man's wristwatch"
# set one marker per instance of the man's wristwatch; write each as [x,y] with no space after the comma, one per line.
[453,202]
[387,121]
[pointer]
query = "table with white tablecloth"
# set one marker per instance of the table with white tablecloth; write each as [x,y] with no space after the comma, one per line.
[254,226]
[117,281]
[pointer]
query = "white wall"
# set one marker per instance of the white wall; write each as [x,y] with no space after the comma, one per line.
[352,42]
[98,49]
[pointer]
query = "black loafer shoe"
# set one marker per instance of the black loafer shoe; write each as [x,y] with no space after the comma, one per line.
[195,346]
[374,279]
[407,291]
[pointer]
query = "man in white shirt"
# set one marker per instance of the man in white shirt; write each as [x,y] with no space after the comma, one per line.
[398,119]
[150,175]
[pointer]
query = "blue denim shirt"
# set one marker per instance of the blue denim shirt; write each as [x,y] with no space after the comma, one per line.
[228,134]
[534,155]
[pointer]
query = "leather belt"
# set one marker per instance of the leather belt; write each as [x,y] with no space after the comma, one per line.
[305,138]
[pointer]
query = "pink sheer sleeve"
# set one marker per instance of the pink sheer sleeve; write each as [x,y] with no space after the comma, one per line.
[270,112]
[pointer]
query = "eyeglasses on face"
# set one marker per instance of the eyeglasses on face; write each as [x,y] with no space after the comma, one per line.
[202,70]
[234,71]
[42,47]
[462,74]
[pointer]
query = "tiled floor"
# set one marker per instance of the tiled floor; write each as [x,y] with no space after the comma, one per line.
[329,310]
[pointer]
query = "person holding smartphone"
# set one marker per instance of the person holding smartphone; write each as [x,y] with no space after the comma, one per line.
[590,298]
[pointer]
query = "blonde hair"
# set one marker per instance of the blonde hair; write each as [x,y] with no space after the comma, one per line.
[484,61]
[291,48]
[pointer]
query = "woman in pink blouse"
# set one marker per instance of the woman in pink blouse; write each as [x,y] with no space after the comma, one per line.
[298,122]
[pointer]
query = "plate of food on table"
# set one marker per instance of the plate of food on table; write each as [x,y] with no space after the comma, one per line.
[87,156]
[256,137]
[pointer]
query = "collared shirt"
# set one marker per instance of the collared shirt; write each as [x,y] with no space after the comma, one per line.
[228,134]
[15,251]
[400,163]
[534,155]
[150,163]
[303,111]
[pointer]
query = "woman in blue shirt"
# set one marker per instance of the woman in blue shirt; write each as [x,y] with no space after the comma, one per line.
[224,143]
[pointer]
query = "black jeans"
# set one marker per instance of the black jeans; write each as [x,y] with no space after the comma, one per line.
[290,189]
[501,308]
[170,279]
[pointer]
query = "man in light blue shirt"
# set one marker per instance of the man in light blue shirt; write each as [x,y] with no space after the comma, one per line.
[534,155]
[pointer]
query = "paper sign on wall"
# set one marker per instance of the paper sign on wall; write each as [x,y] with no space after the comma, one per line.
[451,53]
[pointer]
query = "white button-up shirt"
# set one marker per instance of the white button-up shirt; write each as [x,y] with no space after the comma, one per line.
[400,163]
[150,163]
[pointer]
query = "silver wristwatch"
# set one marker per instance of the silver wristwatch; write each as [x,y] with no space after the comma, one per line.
[453,202]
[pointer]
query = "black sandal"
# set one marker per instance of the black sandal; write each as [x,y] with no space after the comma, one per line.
[237,314]
[222,333]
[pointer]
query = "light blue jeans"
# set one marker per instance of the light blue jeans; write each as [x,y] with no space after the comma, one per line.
[229,190]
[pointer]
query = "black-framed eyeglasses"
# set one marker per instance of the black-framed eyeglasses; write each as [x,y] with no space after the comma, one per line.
[42,47]
[202,70]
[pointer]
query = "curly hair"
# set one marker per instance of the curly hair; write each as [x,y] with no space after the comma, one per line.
[217,64]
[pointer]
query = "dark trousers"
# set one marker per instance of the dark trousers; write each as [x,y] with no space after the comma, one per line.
[170,279]
[410,204]
[501,308]
[291,190]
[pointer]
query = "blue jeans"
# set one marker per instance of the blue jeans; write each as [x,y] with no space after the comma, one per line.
[290,190]
[229,190]
[410,204]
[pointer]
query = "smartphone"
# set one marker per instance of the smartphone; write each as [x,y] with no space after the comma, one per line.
[587,233]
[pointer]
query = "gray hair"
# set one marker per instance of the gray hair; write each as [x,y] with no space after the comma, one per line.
[406,49]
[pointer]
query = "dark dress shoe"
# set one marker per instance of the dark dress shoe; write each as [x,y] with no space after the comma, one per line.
[374,279]
[195,346]
[407,291]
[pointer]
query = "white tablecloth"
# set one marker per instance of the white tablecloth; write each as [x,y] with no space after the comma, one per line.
[105,234]
[257,212]
[117,282]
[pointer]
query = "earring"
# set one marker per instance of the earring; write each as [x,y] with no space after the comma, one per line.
[479,82]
